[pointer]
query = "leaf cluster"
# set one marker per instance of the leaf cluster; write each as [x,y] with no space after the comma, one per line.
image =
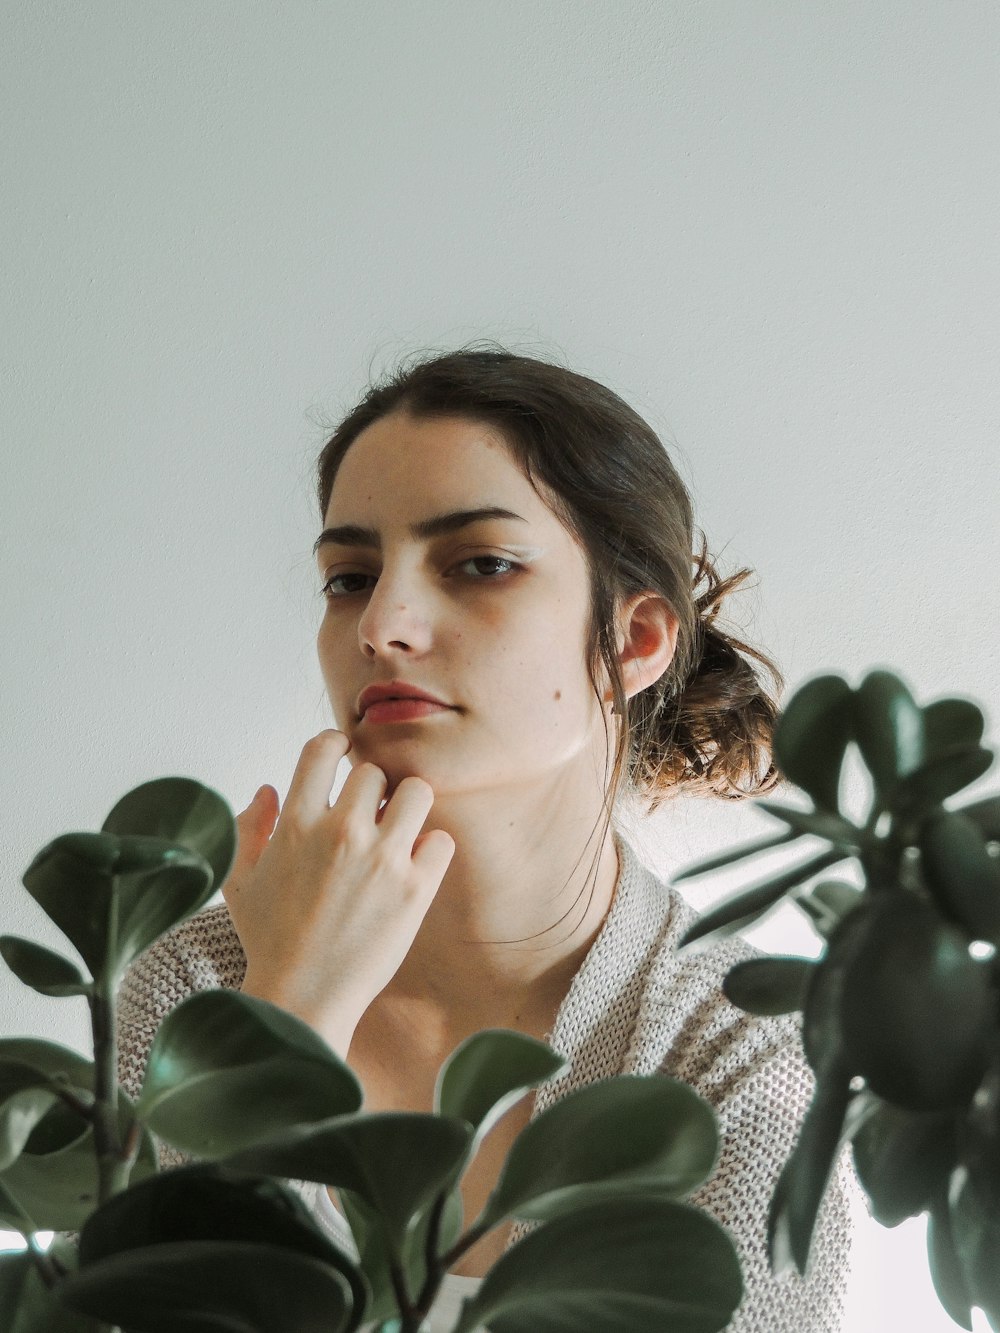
[900,1014]
[257,1099]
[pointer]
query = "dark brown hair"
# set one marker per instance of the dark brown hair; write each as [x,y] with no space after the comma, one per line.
[706,725]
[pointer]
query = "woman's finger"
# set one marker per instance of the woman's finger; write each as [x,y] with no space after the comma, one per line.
[311,784]
[407,809]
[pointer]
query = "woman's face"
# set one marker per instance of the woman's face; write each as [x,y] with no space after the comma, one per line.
[502,643]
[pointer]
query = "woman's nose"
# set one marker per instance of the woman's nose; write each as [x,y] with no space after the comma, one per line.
[396,615]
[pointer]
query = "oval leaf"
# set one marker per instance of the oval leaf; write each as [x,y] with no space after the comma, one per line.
[827,903]
[985,815]
[203,1202]
[227,1069]
[70,880]
[940,777]
[397,1161]
[27,1305]
[152,898]
[642,1264]
[180,810]
[631,1132]
[490,1071]
[949,722]
[56,1173]
[25,1097]
[42,969]
[917,1010]
[888,727]
[945,1262]
[769,985]
[975,1229]
[960,872]
[112,897]
[203,1286]
[49,1058]
[903,1160]
[812,735]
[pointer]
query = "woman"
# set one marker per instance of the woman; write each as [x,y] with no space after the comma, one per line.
[510,539]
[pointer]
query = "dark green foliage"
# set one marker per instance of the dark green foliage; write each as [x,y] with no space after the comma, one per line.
[901,1010]
[224,1246]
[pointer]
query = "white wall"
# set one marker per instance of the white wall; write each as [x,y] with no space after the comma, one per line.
[771,227]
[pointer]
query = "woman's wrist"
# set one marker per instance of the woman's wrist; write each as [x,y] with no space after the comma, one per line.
[334,1025]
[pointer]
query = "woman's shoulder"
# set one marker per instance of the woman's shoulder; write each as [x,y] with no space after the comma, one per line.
[686,1025]
[201,953]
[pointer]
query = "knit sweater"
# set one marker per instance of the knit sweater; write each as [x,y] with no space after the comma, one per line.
[635,1006]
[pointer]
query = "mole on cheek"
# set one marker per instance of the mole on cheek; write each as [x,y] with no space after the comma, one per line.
[557,696]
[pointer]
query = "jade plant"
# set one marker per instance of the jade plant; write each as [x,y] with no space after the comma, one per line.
[901,1009]
[257,1100]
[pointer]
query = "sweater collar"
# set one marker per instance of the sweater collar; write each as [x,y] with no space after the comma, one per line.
[598,1014]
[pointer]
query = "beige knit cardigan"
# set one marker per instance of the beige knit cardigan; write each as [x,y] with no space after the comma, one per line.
[635,1006]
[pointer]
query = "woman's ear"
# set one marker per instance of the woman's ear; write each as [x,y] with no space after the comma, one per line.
[647,640]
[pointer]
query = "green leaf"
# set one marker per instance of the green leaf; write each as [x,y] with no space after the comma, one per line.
[49,1058]
[827,903]
[812,735]
[960,872]
[628,1133]
[375,1259]
[205,1203]
[821,823]
[802,1184]
[213,1287]
[180,810]
[55,1177]
[985,814]
[938,778]
[112,897]
[227,1069]
[488,1073]
[397,1161]
[945,1262]
[738,911]
[42,969]
[822,1037]
[27,1305]
[643,1263]
[949,722]
[769,985]
[976,1235]
[25,1096]
[734,854]
[888,727]
[903,1159]
[917,1010]
[374,1253]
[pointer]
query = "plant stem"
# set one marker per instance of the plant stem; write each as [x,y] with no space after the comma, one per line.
[113,1164]
[46,1267]
[464,1243]
[435,1268]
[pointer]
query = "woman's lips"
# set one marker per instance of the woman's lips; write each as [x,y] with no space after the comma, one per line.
[402,710]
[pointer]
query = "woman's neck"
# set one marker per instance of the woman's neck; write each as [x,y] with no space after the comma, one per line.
[506,881]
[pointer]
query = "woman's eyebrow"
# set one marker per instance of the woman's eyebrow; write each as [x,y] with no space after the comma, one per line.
[440,524]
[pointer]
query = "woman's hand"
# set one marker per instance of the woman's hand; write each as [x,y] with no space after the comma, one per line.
[327,900]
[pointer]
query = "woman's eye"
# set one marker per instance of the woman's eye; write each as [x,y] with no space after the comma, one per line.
[333,582]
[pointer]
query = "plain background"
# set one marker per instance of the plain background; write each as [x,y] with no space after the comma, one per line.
[771,227]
